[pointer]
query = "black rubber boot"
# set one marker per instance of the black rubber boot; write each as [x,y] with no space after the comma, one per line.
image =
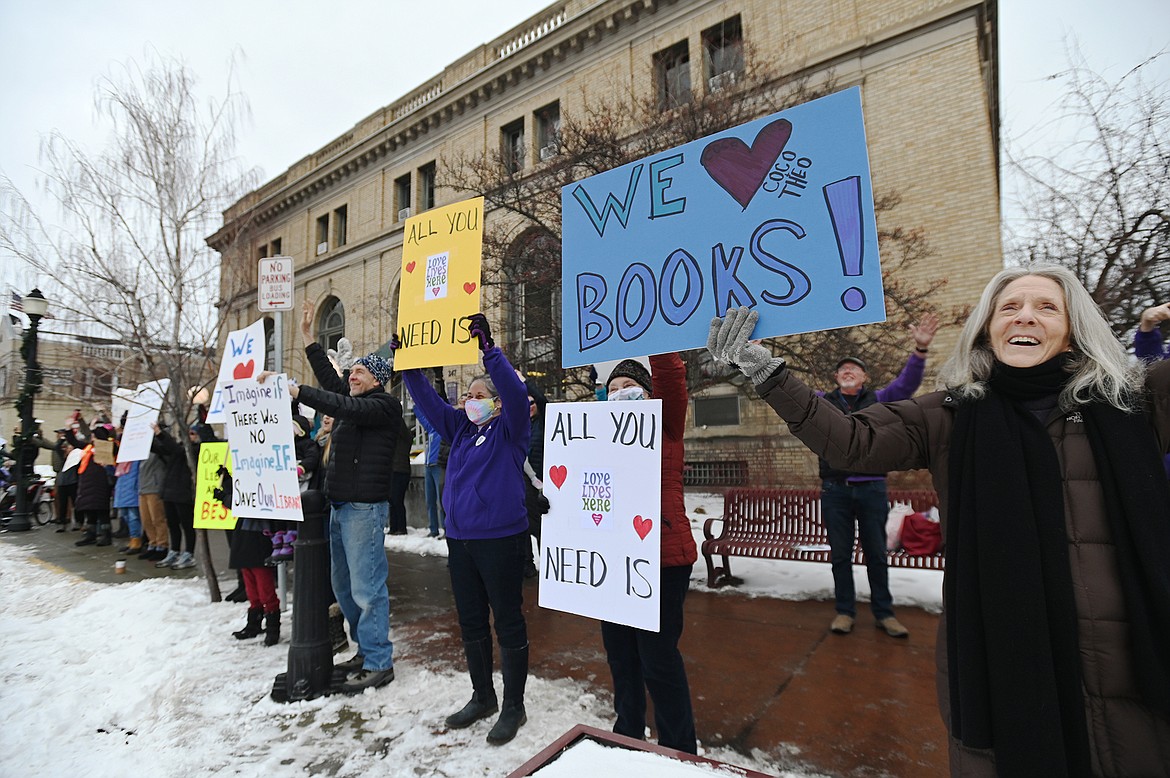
[514,663]
[337,638]
[238,594]
[89,538]
[483,697]
[252,628]
[103,535]
[272,628]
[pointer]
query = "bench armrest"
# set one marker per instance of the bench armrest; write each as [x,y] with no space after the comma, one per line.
[707,527]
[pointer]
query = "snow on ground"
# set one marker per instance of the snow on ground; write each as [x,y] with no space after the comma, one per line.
[109,680]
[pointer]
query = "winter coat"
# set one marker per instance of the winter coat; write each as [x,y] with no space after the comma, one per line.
[126,488]
[93,485]
[249,548]
[177,486]
[152,472]
[365,433]
[1126,737]
[670,386]
[68,474]
[483,496]
[402,449]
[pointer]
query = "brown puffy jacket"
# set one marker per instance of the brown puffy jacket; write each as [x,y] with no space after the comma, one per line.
[1126,737]
[670,385]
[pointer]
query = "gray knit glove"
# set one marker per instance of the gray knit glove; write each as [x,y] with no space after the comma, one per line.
[728,342]
[343,356]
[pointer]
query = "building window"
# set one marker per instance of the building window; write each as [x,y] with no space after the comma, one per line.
[534,307]
[262,252]
[715,473]
[95,383]
[672,70]
[512,146]
[276,248]
[402,196]
[426,187]
[339,225]
[717,411]
[269,343]
[548,131]
[322,234]
[331,324]
[723,53]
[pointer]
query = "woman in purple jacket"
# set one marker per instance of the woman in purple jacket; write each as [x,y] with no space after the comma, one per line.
[487,526]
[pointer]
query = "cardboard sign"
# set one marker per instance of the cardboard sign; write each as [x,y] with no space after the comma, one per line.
[243,357]
[776,214]
[144,408]
[442,253]
[264,460]
[210,513]
[600,541]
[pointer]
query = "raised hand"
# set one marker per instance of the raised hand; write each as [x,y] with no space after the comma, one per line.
[730,338]
[478,327]
[307,322]
[1153,316]
[923,332]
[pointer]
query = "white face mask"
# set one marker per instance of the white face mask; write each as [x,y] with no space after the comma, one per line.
[629,393]
[479,411]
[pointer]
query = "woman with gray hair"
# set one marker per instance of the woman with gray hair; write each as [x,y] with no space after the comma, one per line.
[1045,449]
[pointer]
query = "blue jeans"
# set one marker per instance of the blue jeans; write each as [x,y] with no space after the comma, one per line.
[642,661]
[864,502]
[133,521]
[359,570]
[488,575]
[433,481]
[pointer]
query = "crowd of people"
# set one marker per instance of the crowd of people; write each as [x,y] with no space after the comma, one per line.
[1046,443]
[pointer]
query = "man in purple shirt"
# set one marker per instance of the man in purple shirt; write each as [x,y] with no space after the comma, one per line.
[1147,344]
[850,500]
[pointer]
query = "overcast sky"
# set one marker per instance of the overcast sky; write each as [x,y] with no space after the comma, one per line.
[311,70]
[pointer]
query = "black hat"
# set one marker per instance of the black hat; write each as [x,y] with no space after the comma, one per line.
[631,368]
[855,360]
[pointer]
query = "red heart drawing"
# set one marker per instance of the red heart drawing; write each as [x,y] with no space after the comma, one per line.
[243,370]
[410,266]
[469,287]
[597,519]
[741,170]
[642,526]
[557,474]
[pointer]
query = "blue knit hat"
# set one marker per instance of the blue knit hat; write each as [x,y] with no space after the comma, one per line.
[378,367]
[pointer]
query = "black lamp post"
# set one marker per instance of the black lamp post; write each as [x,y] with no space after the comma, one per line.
[35,306]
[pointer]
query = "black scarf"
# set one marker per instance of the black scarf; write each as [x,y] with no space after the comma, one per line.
[1013,659]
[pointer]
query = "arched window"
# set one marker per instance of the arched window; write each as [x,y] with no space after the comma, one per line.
[331,323]
[534,305]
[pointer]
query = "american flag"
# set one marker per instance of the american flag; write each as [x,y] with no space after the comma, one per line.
[17,303]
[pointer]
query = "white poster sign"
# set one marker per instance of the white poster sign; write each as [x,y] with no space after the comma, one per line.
[600,547]
[243,357]
[144,408]
[260,437]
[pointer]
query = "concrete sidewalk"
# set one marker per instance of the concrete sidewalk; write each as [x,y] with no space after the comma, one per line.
[765,673]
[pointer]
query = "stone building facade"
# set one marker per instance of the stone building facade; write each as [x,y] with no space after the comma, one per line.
[927,70]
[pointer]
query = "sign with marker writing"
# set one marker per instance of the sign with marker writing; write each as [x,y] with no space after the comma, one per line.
[260,439]
[600,551]
[210,513]
[776,214]
[144,407]
[442,251]
[243,357]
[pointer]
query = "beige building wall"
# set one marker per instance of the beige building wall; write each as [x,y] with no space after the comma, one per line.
[927,73]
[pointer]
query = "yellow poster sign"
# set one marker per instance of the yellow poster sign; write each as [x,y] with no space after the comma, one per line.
[441,254]
[210,513]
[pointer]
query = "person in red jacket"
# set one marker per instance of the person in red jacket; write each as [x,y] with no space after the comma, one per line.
[639,660]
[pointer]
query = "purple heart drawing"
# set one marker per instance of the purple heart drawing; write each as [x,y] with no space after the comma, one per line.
[741,170]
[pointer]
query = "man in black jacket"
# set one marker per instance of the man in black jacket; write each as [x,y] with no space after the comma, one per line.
[365,431]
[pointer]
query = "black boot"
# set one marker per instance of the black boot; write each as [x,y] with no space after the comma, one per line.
[337,638]
[238,594]
[103,535]
[89,538]
[252,628]
[483,697]
[272,628]
[514,663]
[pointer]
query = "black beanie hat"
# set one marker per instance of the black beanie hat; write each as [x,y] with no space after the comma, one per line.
[632,368]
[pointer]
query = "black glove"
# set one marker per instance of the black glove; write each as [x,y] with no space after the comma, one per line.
[477,327]
[395,343]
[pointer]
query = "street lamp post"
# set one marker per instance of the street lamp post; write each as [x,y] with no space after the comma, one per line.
[35,306]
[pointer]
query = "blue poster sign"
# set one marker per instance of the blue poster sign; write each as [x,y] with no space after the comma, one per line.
[776,214]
